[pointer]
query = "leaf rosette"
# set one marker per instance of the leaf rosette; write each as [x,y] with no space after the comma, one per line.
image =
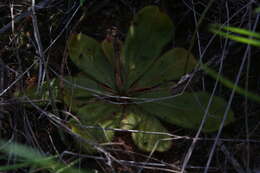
[140,69]
[114,72]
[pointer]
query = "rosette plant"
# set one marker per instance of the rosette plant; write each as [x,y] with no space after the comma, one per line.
[126,85]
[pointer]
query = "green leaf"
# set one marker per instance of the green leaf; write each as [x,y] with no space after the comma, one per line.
[94,135]
[146,141]
[251,38]
[156,93]
[187,110]
[150,31]
[87,54]
[98,112]
[108,49]
[28,157]
[172,65]
[229,84]
[130,121]
[236,30]
[78,90]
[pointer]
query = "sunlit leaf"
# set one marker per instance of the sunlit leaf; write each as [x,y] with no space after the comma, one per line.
[242,39]
[87,54]
[130,121]
[148,142]
[236,30]
[172,65]
[150,31]
[187,110]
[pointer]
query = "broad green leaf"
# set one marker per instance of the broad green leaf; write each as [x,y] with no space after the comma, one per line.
[130,121]
[156,93]
[79,90]
[187,110]
[94,135]
[172,65]
[109,124]
[98,112]
[87,54]
[150,31]
[108,48]
[146,141]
